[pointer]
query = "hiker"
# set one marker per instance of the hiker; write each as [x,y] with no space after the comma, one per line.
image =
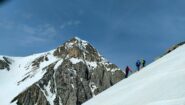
[127,70]
[138,64]
[143,62]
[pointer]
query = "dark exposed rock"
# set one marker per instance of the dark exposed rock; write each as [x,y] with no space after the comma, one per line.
[36,62]
[71,83]
[4,64]
[7,60]
[173,48]
[31,96]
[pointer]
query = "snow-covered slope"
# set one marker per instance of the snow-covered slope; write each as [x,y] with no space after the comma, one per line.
[67,75]
[21,68]
[160,83]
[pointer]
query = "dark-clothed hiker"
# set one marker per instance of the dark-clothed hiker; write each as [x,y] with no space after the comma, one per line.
[143,62]
[127,70]
[138,64]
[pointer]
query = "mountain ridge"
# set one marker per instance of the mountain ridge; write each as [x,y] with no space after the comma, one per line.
[68,75]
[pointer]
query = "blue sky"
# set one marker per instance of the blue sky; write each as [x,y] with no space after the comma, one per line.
[121,30]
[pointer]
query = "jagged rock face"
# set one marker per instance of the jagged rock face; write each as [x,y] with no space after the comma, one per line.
[77,49]
[79,74]
[31,96]
[4,64]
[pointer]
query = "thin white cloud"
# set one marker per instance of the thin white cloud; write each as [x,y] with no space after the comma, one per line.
[70,23]
[32,40]
[47,30]
[6,24]
[27,15]
[31,34]
[28,29]
[41,33]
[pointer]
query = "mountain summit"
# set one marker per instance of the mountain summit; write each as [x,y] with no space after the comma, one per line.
[68,75]
[77,48]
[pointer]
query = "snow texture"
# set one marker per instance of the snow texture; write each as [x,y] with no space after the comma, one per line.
[22,75]
[90,64]
[160,83]
[58,64]
[75,60]
[48,94]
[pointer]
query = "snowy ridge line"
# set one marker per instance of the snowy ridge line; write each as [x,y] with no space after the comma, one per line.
[81,44]
[23,73]
[160,83]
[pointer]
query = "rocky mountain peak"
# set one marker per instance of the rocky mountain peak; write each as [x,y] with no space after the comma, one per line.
[78,48]
[76,42]
[73,73]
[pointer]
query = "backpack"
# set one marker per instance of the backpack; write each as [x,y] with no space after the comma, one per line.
[138,63]
[143,61]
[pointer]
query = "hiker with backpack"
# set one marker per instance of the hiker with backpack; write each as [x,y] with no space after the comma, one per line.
[127,70]
[138,65]
[143,62]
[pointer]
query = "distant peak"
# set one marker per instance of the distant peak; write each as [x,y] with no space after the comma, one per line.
[77,39]
[77,48]
[76,42]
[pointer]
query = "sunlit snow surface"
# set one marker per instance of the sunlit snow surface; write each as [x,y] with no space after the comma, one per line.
[20,68]
[160,83]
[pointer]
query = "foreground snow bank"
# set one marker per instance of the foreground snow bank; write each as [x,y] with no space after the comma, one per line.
[160,83]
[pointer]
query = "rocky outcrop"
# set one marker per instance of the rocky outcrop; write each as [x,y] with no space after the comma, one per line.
[4,63]
[79,74]
[31,96]
[36,62]
[172,48]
